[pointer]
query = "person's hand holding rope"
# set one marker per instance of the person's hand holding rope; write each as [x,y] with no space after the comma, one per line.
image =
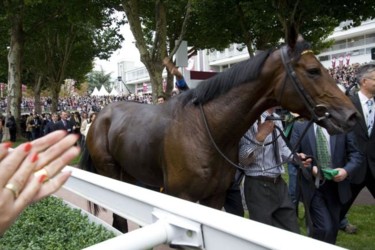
[32,171]
[264,129]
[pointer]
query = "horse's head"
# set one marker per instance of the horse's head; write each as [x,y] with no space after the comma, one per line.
[310,91]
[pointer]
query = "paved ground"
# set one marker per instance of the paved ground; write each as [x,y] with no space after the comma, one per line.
[364,198]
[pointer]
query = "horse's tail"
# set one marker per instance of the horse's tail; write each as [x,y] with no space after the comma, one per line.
[85,163]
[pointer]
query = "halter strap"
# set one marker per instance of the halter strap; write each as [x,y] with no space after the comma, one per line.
[306,98]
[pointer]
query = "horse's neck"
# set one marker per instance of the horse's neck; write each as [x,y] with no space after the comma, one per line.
[234,113]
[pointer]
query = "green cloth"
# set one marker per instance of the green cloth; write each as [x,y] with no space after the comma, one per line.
[330,173]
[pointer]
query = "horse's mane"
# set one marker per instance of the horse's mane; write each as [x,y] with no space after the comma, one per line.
[241,73]
[219,84]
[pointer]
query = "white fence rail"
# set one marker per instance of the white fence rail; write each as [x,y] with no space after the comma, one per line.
[169,220]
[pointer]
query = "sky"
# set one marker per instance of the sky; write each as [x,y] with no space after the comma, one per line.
[128,52]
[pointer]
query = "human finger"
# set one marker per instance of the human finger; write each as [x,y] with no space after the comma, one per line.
[34,190]
[4,149]
[38,189]
[55,166]
[12,161]
[55,151]
[52,185]
[28,194]
[48,140]
[17,182]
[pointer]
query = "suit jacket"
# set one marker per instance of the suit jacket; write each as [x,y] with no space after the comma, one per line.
[60,125]
[50,127]
[344,154]
[366,143]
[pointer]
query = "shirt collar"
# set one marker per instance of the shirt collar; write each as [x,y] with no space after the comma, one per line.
[362,98]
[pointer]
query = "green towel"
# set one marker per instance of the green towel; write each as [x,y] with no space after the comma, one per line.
[329,173]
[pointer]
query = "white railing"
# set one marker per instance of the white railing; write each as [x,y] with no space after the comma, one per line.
[169,220]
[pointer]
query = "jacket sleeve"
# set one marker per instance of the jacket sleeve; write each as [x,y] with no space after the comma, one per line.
[355,156]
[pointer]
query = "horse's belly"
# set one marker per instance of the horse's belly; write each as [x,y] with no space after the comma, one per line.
[142,164]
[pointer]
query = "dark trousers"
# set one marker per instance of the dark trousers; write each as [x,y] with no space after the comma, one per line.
[325,207]
[369,182]
[269,203]
[13,135]
[233,201]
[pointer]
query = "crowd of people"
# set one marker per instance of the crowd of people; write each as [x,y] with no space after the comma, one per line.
[76,103]
[347,159]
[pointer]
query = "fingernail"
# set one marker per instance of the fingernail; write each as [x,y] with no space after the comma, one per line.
[42,178]
[34,157]
[7,144]
[27,147]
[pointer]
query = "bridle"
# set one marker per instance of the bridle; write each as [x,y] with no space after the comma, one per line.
[306,98]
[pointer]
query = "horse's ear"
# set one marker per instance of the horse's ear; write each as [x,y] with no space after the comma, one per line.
[292,35]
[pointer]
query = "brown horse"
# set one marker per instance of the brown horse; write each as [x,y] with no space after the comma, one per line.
[172,145]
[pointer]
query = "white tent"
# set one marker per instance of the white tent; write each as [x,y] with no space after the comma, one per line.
[102,91]
[95,92]
[114,92]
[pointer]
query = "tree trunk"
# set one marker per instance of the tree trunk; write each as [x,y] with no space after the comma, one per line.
[37,90]
[15,65]
[55,96]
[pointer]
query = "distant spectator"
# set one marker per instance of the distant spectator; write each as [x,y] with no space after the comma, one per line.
[12,126]
[161,99]
[51,125]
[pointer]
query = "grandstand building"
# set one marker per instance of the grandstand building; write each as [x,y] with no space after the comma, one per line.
[353,44]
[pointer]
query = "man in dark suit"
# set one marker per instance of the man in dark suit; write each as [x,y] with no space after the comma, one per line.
[364,132]
[51,125]
[324,202]
[64,123]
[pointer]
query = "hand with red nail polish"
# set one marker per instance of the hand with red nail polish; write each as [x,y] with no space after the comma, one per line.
[32,171]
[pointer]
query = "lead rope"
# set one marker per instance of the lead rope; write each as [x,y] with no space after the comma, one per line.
[281,133]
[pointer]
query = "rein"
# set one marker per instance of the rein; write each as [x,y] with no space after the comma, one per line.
[293,155]
[281,133]
[307,100]
[213,141]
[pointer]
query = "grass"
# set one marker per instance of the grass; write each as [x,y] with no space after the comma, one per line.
[50,224]
[363,216]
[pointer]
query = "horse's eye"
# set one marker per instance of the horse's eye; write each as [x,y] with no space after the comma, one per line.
[314,72]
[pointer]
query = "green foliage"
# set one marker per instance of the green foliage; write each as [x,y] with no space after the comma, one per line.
[97,79]
[50,224]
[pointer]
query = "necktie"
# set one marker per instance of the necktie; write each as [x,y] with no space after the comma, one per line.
[370,115]
[275,146]
[322,148]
